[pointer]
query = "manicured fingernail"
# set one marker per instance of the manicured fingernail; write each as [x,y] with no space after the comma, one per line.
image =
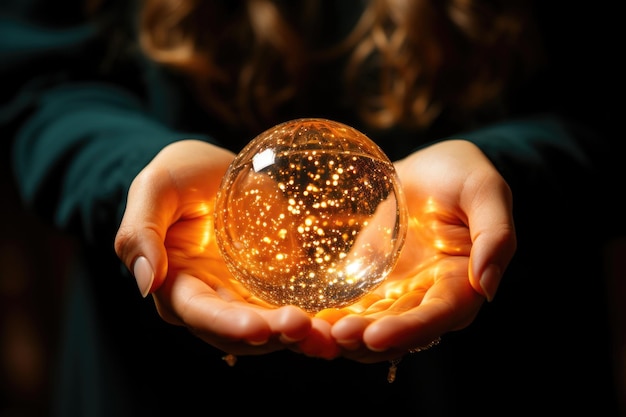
[257,342]
[376,349]
[351,344]
[144,275]
[287,339]
[490,280]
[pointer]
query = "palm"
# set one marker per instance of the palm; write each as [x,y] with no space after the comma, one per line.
[459,210]
[427,294]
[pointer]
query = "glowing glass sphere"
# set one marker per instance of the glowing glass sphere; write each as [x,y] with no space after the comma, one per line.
[310,213]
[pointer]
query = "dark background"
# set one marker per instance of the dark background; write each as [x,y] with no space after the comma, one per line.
[33,256]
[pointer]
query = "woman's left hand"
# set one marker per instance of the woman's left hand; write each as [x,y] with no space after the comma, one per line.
[460,239]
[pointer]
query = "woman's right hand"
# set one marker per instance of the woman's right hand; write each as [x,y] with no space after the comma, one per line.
[166,238]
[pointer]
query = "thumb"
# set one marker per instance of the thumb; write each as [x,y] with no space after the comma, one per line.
[493,237]
[139,242]
[490,255]
[143,253]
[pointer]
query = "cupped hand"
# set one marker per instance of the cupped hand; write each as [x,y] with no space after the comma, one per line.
[460,240]
[167,239]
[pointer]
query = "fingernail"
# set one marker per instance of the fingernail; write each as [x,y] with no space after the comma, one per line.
[489,281]
[287,339]
[257,342]
[144,275]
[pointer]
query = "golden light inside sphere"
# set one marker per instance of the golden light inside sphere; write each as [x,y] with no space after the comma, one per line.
[311,213]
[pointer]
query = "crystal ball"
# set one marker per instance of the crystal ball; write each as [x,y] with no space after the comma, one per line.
[310,213]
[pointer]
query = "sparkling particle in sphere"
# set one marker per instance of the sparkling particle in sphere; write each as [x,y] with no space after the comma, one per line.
[310,213]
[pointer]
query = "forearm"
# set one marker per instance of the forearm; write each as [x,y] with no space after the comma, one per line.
[558,172]
[539,148]
[77,152]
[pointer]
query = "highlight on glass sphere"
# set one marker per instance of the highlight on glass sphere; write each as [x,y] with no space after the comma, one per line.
[311,213]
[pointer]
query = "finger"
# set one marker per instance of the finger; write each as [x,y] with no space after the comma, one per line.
[291,323]
[212,318]
[177,183]
[139,242]
[450,304]
[199,308]
[348,332]
[319,342]
[351,331]
[492,230]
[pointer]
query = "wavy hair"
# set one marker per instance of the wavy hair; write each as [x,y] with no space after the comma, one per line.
[404,61]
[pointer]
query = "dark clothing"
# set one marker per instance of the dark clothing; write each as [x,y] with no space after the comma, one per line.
[83,121]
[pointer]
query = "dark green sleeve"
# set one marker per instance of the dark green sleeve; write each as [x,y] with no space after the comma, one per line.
[537,147]
[77,134]
[561,172]
[76,154]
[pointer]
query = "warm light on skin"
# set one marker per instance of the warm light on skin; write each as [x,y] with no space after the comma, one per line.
[199,236]
[207,236]
[433,250]
[425,224]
